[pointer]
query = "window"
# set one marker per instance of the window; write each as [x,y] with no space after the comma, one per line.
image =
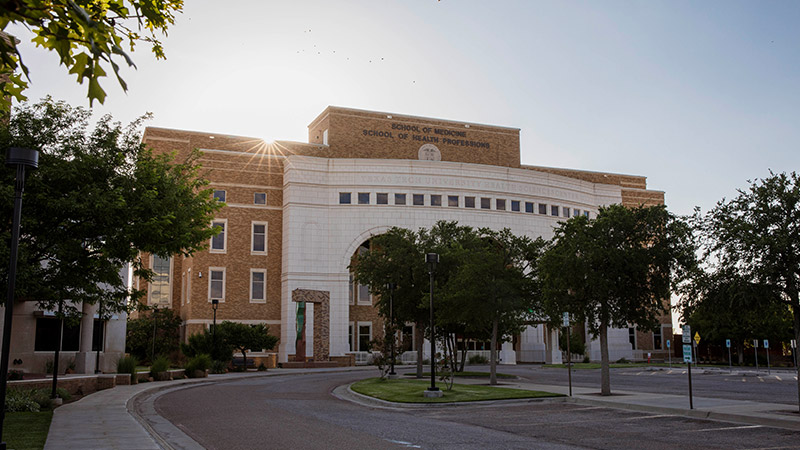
[350,336]
[419,200]
[219,242]
[98,333]
[566,211]
[586,213]
[325,137]
[344,198]
[216,283]
[351,294]
[260,198]
[452,200]
[657,339]
[500,204]
[436,200]
[469,202]
[363,198]
[576,212]
[47,331]
[383,198]
[219,195]
[486,203]
[632,337]
[160,286]
[399,199]
[515,205]
[407,343]
[258,285]
[364,298]
[528,207]
[364,336]
[554,210]
[259,238]
[542,208]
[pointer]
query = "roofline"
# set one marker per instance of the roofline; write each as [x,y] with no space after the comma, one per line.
[527,166]
[404,116]
[201,133]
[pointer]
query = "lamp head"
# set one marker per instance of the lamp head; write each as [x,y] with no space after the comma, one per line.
[214,303]
[432,259]
[17,156]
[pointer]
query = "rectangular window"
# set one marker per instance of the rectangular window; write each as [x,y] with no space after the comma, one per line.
[260,198]
[500,204]
[419,200]
[98,334]
[657,339]
[383,198]
[364,336]
[258,285]
[542,208]
[259,238]
[219,195]
[452,200]
[345,198]
[325,137]
[47,331]
[399,199]
[586,213]
[351,295]
[486,203]
[216,283]
[407,343]
[436,200]
[554,210]
[576,212]
[350,336]
[632,337]
[220,241]
[515,205]
[160,286]
[528,207]
[566,211]
[363,198]
[364,298]
[469,202]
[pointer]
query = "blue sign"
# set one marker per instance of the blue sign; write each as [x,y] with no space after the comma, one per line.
[669,343]
[728,343]
[766,343]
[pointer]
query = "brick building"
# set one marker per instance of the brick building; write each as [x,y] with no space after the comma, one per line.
[296,213]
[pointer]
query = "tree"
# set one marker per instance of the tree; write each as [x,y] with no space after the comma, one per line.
[153,334]
[243,337]
[756,236]
[98,201]
[87,35]
[616,270]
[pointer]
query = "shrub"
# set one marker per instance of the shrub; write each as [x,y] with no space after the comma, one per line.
[63,394]
[139,335]
[262,367]
[200,362]
[586,359]
[48,367]
[203,343]
[161,364]
[127,364]
[18,400]
[218,366]
[15,375]
[623,361]
[478,359]
[577,346]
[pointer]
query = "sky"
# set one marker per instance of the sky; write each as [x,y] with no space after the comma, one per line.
[698,96]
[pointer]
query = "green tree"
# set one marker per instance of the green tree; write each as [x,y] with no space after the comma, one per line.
[87,35]
[756,237]
[203,344]
[155,333]
[616,270]
[98,201]
[243,337]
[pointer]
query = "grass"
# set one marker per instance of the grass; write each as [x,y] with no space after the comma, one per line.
[410,391]
[27,430]
[469,374]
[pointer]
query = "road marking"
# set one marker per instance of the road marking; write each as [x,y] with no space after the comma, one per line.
[651,417]
[779,378]
[404,443]
[728,428]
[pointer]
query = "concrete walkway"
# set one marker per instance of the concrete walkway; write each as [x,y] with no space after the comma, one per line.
[124,417]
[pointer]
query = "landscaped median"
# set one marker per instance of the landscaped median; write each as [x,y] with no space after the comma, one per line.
[410,391]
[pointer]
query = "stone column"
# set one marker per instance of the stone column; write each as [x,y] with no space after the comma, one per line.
[84,359]
[507,354]
[552,352]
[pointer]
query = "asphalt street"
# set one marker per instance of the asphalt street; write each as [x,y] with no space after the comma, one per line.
[300,412]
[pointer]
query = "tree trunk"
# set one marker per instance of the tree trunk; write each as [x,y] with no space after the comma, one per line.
[796,316]
[463,357]
[605,377]
[419,340]
[244,360]
[493,357]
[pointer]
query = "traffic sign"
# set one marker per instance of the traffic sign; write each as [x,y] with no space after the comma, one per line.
[755,344]
[728,343]
[669,343]
[766,343]
[687,334]
[565,319]
[687,353]
[697,338]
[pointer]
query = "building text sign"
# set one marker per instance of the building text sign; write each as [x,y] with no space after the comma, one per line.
[423,134]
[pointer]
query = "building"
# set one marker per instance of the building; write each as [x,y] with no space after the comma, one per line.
[297,212]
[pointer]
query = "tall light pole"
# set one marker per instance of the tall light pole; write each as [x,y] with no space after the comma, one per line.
[214,306]
[21,158]
[432,259]
[392,287]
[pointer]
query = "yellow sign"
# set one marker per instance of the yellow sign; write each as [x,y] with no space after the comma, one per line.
[697,338]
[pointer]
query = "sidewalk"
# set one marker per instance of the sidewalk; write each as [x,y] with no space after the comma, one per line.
[124,418]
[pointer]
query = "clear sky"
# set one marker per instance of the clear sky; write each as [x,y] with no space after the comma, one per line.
[697,96]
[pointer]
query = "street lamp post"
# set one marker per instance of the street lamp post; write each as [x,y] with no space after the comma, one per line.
[392,287]
[102,337]
[432,259]
[214,306]
[20,158]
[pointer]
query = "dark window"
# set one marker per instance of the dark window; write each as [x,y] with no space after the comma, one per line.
[553,210]
[469,202]
[657,339]
[47,330]
[350,336]
[542,208]
[452,200]
[515,205]
[566,211]
[98,332]
[399,199]
[364,336]
[486,203]
[586,213]
[419,200]
[219,195]
[528,207]
[436,200]
[383,198]
[576,212]
[344,198]
[632,337]
[260,198]
[500,204]
[363,198]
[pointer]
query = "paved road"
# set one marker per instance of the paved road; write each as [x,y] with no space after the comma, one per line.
[298,412]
